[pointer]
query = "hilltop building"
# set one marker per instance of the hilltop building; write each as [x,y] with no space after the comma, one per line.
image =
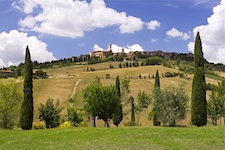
[102,54]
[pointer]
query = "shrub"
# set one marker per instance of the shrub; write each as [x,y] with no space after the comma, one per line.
[154,60]
[66,124]
[74,116]
[50,113]
[107,76]
[38,125]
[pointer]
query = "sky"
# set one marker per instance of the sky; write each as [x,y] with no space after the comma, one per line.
[57,29]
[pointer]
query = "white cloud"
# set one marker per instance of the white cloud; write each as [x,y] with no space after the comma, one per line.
[116,48]
[97,48]
[173,33]
[13,46]
[152,25]
[154,40]
[69,18]
[213,35]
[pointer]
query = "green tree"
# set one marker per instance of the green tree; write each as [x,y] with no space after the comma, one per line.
[27,108]
[155,60]
[50,113]
[143,102]
[172,106]
[74,116]
[157,100]
[132,119]
[101,101]
[10,100]
[118,115]
[216,103]
[198,99]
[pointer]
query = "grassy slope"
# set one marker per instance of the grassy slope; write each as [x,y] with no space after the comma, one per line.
[159,138]
[62,81]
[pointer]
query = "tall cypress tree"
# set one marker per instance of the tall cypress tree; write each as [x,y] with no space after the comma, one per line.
[118,115]
[156,122]
[198,99]
[27,108]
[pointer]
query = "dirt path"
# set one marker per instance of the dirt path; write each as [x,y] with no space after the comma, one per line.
[75,88]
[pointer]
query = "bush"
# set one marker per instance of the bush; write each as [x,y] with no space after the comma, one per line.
[169,74]
[50,113]
[74,116]
[38,125]
[66,124]
[154,60]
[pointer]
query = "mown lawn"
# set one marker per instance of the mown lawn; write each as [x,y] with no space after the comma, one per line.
[159,138]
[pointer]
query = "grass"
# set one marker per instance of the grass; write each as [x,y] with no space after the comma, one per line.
[60,85]
[159,138]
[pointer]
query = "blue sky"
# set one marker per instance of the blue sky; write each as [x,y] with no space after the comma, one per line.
[56,29]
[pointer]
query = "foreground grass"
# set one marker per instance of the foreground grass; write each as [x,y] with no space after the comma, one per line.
[204,138]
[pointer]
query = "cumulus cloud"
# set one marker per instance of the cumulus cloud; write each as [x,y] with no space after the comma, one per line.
[154,24]
[96,47]
[116,48]
[213,35]
[70,18]
[13,45]
[173,33]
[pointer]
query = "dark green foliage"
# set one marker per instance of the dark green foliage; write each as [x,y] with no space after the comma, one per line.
[74,116]
[169,74]
[132,119]
[50,113]
[120,65]
[155,110]
[198,103]
[118,115]
[157,83]
[118,86]
[198,54]
[27,108]
[40,74]
[154,60]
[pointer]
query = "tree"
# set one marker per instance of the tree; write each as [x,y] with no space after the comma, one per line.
[155,60]
[132,119]
[101,101]
[157,100]
[50,113]
[10,100]
[172,105]
[90,94]
[74,116]
[118,115]
[198,98]
[216,103]
[27,108]
[143,102]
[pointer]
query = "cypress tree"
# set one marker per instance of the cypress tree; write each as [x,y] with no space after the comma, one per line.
[27,108]
[198,99]
[157,83]
[118,115]
[156,122]
[132,119]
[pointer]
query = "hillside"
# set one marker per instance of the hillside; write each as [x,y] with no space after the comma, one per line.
[68,82]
